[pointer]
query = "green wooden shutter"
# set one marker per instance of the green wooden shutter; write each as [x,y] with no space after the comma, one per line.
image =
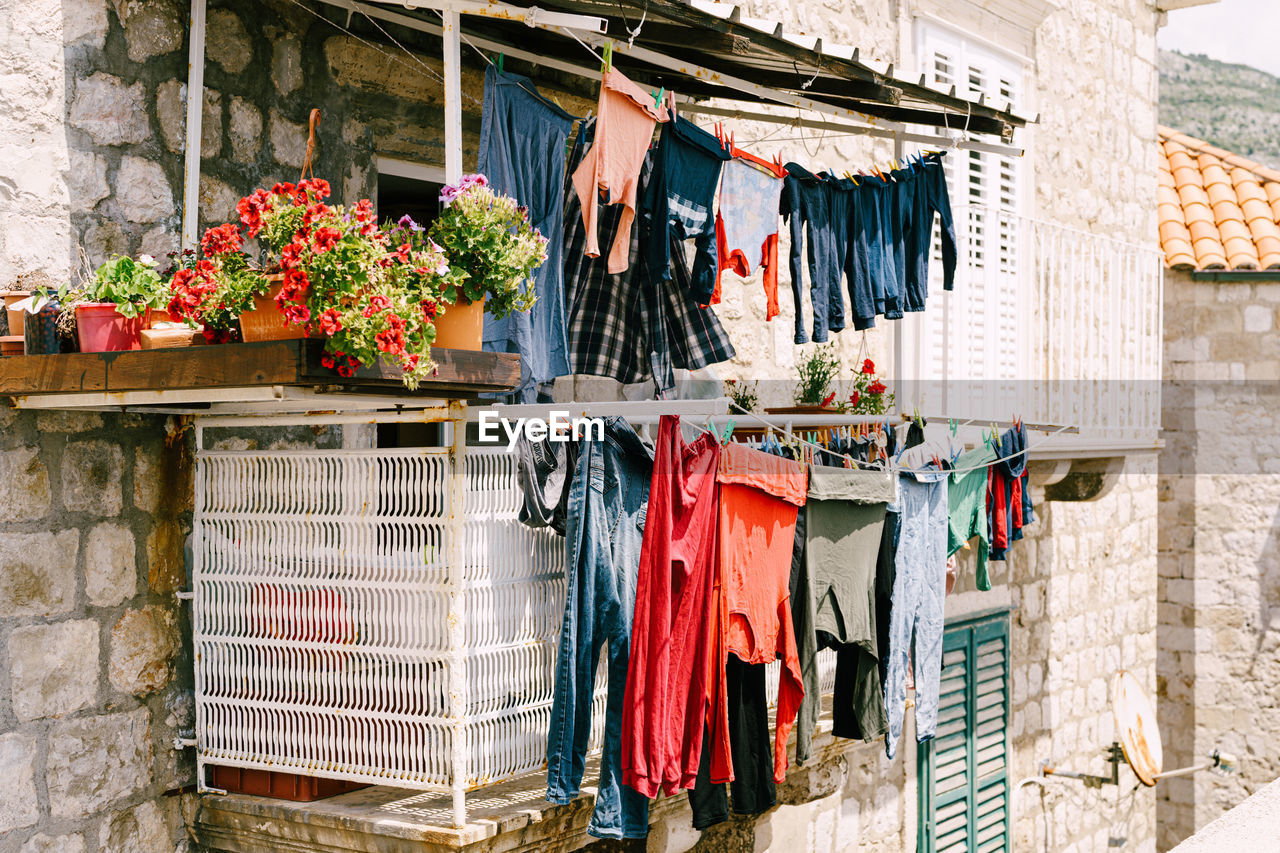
[963,771]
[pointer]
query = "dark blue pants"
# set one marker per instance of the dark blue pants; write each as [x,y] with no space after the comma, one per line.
[607,506]
[522,145]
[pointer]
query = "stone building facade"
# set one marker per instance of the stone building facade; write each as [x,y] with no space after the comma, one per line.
[1219,572]
[94,161]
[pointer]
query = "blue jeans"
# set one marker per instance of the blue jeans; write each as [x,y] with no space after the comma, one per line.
[607,506]
[919,587]
[522,142]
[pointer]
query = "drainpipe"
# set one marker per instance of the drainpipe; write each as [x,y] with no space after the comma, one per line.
[195,107]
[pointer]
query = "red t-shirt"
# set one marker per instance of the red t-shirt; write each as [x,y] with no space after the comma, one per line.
[675,683]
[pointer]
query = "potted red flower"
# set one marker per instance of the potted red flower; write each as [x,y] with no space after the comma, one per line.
[371,297]
[870,396]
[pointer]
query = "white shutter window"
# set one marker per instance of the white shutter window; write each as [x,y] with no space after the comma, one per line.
[972,334]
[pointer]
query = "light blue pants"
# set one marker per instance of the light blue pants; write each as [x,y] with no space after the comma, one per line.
[917,611]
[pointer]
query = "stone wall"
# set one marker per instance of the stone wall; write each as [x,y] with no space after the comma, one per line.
[96,118]
[95,679]
[1219,564]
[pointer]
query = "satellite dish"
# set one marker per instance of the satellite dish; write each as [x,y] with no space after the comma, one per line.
[1137,742]
[1136,727]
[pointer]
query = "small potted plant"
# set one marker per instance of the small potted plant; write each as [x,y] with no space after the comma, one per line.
[492,249]
[112,308]
[211,289]
[813,393]
[870,396]
[742,395]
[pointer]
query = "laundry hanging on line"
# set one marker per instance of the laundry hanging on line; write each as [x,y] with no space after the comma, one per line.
[863,240]
[734,557]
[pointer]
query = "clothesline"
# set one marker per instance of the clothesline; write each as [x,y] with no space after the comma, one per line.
[892,466]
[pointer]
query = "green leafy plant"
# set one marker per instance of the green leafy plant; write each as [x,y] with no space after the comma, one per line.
[816,372]
[133,286]
[491,245]
[742,394]
[870,396]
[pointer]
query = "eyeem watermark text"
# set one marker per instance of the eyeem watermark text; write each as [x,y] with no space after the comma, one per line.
[557,427]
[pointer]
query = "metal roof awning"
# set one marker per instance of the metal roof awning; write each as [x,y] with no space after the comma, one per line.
[708,49]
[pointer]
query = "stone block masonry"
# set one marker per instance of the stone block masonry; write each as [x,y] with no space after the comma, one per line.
[95,674]
[1219,596]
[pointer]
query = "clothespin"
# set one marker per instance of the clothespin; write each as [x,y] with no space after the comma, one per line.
[608,57]
[953,427]
[657,97]
[728,431]
[500,63]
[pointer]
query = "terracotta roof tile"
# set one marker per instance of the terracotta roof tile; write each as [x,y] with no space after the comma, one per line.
[1217,210]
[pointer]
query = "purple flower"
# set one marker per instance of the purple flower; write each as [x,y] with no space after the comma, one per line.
[406,221]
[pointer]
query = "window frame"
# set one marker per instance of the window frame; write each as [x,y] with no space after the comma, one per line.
[968,633]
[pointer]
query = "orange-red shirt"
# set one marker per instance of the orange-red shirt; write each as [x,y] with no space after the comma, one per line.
[759,497]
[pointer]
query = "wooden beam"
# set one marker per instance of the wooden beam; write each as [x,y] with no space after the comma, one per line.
[242,365]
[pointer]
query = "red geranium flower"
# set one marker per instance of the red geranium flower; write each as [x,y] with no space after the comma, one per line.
[826,401]
[430,309]
[868,366]
[222,240]
[327,361]
[376,303]
[330,322]
[346,371]
[855,397]
[326,238]
[297,314]
[876,387]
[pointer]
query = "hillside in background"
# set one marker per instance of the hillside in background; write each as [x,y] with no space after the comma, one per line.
[1232,106]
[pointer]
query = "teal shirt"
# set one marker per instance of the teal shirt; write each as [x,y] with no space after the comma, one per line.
[967,508]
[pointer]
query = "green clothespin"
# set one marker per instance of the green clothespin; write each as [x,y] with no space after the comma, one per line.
[728,432]
[500,63]
[657,96]
[608,57]
[953,426]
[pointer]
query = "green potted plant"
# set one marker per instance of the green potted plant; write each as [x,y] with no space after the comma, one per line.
[492,249]
[113,307]
[815,373]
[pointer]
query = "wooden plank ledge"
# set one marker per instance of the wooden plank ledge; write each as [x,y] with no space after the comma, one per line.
[460,373]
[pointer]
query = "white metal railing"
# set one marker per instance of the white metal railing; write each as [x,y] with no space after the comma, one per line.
[1053,323]
[326,629]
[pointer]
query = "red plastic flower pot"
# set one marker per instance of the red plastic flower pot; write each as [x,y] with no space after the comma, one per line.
[101,328]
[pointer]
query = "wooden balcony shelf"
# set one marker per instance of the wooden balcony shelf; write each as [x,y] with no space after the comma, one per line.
[205,377]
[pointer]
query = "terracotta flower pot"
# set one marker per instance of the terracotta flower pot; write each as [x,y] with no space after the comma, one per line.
[16,318]
[265,321]
[101,328]
[804,409]
[461,326]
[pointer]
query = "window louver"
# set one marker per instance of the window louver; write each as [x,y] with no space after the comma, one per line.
[963,771]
